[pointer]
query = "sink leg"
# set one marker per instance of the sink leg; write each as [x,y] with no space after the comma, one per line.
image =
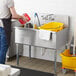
[17,54]
[29,51]
[55,64]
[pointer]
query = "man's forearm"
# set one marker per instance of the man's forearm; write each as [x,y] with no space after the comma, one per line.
[14,14]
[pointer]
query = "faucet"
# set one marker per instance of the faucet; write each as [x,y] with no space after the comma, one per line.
[36,15]
[48,17]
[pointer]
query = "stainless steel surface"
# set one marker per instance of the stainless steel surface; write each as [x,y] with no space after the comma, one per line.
[29,51]
[28,36]
[12,49]
[31,37]
[17,54]
[55,59]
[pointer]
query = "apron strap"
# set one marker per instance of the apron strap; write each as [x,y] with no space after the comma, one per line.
[7,28]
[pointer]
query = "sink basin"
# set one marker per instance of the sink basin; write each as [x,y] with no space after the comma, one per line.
[29,36]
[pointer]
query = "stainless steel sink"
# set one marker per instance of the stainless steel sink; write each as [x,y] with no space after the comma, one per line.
[30,36]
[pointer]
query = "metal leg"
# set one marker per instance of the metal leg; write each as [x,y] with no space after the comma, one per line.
[29,51]
[75,73]
[55,65]
[66,47]
[17,54]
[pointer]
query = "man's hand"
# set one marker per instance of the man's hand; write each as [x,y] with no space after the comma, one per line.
[25,19]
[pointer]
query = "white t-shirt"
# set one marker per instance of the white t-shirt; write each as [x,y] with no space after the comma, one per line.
[4,9]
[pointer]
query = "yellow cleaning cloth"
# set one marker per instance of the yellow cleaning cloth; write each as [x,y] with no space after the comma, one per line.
[52,26]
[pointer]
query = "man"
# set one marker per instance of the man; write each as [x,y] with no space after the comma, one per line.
[7,11]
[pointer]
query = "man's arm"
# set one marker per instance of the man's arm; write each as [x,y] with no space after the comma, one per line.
[14,14]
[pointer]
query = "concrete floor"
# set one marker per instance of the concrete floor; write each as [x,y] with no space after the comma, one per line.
[41,65]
